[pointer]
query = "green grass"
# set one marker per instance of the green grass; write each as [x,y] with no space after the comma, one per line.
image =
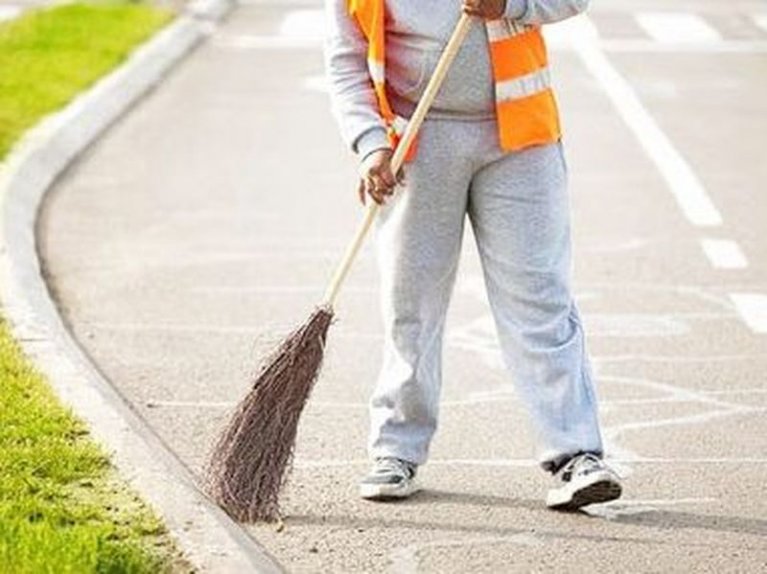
[63,508]
[48,56]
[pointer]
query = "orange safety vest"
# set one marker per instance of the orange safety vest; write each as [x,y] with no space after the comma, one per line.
[524,100]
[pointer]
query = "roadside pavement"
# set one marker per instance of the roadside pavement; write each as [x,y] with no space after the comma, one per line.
[205,224]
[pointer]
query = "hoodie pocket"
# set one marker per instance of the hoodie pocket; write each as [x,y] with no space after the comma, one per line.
[408,71]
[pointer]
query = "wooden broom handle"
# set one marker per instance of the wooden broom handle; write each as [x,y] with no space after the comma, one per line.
[414,124]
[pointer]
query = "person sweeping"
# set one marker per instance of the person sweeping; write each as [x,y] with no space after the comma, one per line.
[490,149]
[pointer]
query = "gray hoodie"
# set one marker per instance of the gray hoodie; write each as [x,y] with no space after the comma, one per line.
[416,32]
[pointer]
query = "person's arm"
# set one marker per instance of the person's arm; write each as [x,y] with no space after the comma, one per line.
[352,96]
[539,12]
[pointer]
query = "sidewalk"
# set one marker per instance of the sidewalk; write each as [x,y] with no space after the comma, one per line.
[213,214]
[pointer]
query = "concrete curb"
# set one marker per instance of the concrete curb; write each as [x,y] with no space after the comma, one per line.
[210,539]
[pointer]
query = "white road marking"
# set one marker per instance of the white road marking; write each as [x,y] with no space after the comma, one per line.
[662,501]
[616,246]
[761,21]
[752,307]
[718,392]
[619,429]
[614,510]
[299,29]
[648,46]
[677,27]
[724,253]
[478,399]
[177,327]
[191,404]
[278,289]
[404,560]
[648,358]
[480,335]
[318,83]
[305,24]
[682,181]
[262,42]
[243,42]
[528,462]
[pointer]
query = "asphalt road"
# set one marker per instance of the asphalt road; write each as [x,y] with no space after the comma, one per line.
[206,223]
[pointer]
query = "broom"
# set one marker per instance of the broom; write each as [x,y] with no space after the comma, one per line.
[251,459]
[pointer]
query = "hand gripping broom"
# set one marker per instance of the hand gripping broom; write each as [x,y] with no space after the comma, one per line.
[251,458]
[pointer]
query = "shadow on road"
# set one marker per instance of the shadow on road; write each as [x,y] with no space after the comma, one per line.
[621,513]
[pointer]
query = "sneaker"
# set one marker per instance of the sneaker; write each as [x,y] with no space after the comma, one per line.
[390,478]
[585,479]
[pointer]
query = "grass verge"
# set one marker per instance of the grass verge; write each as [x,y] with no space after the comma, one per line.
[48,56]
[63,508]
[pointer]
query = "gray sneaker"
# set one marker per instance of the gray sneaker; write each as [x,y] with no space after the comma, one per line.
[584,480]
[390,478]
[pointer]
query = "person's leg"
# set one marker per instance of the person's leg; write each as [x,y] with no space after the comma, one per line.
[418,242]
[520,213]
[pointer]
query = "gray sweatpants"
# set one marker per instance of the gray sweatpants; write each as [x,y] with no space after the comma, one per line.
[519,210]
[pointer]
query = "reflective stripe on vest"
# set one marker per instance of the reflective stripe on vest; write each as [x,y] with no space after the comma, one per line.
[525,106]
[524,100]
[370,17]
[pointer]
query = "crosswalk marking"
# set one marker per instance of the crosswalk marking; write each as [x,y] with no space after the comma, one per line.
[677,27]
[752,308]
[305,24]
[682,180]
[724,254]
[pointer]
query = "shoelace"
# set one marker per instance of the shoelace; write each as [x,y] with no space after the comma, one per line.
[386,465]
[577,463]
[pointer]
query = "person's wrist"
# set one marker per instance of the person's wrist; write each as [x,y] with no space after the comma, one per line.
[374,153]
[371,141]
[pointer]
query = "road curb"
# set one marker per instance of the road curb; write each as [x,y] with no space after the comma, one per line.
[209,538]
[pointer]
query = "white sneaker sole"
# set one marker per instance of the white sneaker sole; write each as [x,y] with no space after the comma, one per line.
[388,491]
[597,488]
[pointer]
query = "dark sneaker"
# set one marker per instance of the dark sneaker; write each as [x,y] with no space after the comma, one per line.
[390,478]
[584,480]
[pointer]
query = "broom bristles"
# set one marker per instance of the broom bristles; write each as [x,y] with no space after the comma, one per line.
[252,457]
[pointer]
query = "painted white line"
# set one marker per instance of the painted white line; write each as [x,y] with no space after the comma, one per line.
[724,253]
[191,404]
[477,399]
[614,431]
[177,328]
[406,559]
[725,392]
[299,29]
[761,21]
[639,357]
[244,42]
[615,510]
[258,42]
[277,289]
[315,404]
[662,501]
[677,27]
[648,46]
[9,12]
[527,462]
[681,179]
[307,24]
[752,307]
[318,83]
